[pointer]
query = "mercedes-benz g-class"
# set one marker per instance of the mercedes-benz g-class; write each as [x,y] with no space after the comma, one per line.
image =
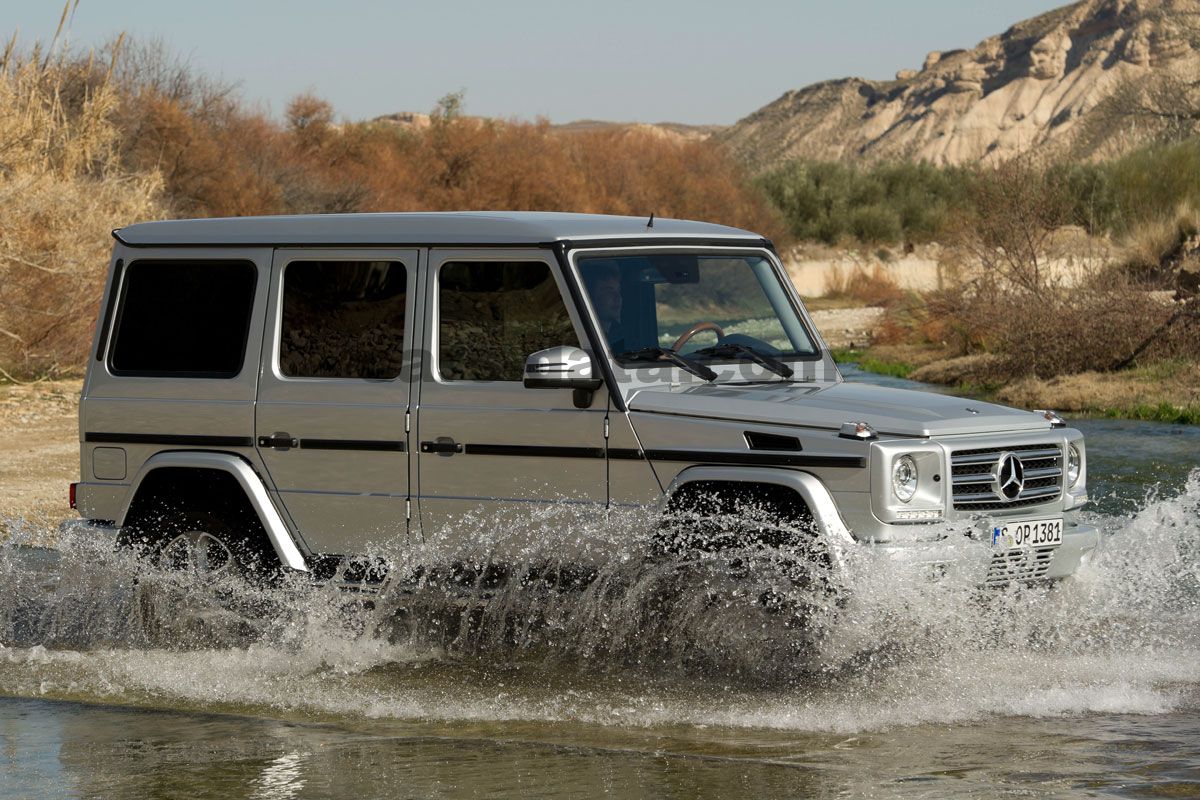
[289,390]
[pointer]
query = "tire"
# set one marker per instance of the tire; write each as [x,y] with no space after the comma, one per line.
[208,572]
[754,533]
[210,545]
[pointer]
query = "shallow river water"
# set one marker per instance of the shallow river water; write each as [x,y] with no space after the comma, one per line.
[655,680]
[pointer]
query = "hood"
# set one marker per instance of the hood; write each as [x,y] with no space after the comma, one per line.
[899,412]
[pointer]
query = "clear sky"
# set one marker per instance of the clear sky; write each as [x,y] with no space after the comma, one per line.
[694,62]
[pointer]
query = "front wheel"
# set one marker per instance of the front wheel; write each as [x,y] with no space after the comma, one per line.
[762,536]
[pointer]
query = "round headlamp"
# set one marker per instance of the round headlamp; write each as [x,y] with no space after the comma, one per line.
[904,478]
[1074,465]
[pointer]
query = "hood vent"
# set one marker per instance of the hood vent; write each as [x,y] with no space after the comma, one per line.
[772,442]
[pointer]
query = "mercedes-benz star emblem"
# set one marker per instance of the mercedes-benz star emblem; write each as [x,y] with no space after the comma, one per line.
[1010,477]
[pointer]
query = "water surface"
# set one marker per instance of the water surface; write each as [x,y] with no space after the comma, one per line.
[657,680]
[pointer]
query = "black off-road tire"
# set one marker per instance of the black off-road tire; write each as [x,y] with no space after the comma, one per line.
[751,528]
[210,543]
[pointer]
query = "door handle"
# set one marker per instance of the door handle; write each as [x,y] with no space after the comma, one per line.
[279,441]
[443,446]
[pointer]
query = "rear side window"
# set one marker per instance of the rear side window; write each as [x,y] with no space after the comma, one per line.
[343,319]
[493,314]
[186,319]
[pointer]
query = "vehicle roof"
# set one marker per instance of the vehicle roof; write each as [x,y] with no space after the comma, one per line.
[419,228]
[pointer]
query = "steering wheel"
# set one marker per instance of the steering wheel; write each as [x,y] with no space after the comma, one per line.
[697,328]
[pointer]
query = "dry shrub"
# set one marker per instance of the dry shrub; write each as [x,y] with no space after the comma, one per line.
[873,287]
[62,191]
[1012,304]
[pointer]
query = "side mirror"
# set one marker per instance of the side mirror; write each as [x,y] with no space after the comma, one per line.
[563,367]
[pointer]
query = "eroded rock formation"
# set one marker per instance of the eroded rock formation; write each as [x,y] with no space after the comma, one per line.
[1028,89]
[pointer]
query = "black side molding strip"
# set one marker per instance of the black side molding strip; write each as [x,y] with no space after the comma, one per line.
[533,450]
[169,439]
[758,459]
[351,444]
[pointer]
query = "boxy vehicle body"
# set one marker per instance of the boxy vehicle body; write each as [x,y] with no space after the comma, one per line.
[324,383]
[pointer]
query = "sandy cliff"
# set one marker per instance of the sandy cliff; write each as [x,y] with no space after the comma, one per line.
[1029,88]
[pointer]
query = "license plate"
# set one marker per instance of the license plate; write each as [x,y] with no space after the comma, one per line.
[1028,534]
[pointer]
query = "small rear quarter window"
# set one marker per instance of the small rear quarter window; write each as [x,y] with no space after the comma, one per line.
[186,319]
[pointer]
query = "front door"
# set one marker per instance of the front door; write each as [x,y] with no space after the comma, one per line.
[485,442]
[334,394]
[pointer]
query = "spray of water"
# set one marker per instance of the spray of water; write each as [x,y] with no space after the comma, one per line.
[736,638]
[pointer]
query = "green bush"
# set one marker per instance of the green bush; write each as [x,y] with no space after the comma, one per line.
[875,224]
[915,202]
[883,203]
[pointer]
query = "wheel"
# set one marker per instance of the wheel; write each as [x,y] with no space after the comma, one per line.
[762,536]
[210,576]
[208,545]
[698,328]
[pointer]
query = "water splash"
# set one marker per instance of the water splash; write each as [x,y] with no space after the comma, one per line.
[728,639]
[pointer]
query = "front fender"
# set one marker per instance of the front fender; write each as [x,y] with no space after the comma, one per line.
[285,547]
[820,502]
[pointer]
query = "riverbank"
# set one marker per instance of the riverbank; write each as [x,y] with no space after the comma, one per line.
[1167,391]
[39,452]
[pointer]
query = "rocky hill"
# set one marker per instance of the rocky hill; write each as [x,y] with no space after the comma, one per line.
[1035,87]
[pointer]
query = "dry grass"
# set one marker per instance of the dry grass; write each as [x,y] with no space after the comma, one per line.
[868,287]
[1153,242]
[88,144]
[1174,384]
[62,190]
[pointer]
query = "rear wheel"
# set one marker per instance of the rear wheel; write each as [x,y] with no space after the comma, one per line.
[207,570]
[209,545]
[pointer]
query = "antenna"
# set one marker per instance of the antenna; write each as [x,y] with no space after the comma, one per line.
[650,224]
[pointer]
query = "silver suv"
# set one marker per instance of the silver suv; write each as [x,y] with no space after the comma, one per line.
[286,391]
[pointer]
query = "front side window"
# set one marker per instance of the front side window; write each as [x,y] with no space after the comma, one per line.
[493,314]
[701,306]
[343,319]
[185,319]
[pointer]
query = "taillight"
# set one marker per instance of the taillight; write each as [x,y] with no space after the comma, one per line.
[73,485]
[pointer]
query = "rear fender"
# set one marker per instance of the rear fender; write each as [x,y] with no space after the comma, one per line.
[281,539]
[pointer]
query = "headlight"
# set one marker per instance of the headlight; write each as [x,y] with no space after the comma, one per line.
[1074,465]
[904,478]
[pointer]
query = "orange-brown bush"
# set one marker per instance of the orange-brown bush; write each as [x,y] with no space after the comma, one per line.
[216,158]
[90,144]
[874,287]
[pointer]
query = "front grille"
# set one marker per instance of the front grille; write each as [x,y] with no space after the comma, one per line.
[974,474]
[1019,565]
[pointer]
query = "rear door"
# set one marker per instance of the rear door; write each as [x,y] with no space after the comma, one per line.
[334,393]
[485,441]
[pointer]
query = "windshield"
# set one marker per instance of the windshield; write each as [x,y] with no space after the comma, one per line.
[704,307]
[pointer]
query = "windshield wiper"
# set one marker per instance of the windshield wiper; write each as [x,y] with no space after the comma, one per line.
[663,354]
[732,350]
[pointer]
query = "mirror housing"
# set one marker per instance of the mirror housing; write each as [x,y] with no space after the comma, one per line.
[563,367]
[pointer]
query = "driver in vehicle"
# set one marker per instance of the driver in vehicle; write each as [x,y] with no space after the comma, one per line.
[652,306]
[603,280]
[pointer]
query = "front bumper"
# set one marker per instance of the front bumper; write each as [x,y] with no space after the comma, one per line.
[978,562]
